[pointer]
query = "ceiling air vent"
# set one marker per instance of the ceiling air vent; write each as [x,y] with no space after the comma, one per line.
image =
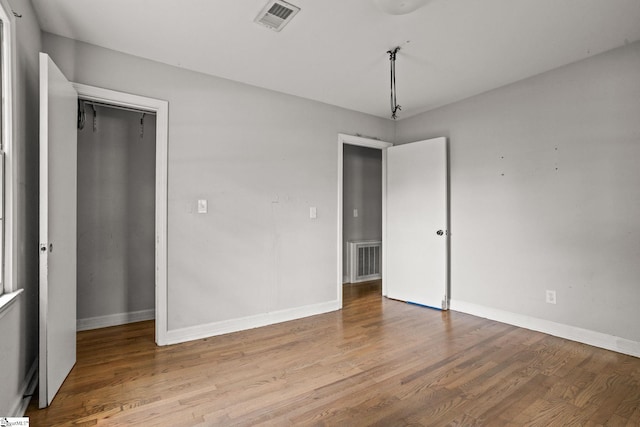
[276,14]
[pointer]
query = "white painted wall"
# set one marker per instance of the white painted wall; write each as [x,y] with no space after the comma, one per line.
[362,190]
[19,323]
[545,193]
[116,214]
[261,159]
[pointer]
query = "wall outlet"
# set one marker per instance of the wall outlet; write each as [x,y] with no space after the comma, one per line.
[551,297]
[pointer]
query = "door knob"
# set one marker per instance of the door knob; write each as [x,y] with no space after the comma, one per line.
[439,232]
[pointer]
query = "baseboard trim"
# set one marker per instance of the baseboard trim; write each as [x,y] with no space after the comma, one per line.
[27,389]
[114,319]
[177,336]
[573,333]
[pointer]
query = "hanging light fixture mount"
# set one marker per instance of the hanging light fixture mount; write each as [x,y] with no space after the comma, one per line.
[394,101]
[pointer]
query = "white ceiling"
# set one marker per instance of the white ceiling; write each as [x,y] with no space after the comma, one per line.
[334,51]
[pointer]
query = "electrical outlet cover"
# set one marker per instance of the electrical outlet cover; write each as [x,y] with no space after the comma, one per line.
[551,297]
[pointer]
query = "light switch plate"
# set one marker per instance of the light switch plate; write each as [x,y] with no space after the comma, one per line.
[202,206]
[313,212]
[355,213]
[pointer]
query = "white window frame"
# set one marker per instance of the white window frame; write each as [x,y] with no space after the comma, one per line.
[8,288]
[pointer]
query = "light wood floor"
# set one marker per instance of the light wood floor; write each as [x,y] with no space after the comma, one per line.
[376,362]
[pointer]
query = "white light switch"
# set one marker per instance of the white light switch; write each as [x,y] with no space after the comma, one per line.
[355,213]
[313,212]
[202,206]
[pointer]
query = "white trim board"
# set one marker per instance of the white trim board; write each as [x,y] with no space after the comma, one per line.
[114,319]
[177,336]
[26,391]
[573,333]
[12,221]
[7,299]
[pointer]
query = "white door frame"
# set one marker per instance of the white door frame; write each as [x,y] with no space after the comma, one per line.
[370,143]
[161,108]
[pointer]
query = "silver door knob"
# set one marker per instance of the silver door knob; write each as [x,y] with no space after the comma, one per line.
[439,232]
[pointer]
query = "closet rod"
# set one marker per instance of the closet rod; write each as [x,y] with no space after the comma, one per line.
[117,107]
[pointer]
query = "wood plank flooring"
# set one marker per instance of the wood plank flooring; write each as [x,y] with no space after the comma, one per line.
[377,362]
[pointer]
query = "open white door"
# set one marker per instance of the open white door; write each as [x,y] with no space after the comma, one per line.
[58,156]
[416,265]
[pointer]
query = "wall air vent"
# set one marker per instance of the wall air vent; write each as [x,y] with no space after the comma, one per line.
[276,14]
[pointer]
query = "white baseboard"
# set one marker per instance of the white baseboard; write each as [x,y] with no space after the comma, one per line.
[27,389]
[114,319]
[573,333]
[177,336]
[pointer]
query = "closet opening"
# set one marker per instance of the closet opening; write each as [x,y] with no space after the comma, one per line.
[362,220]
[116,228]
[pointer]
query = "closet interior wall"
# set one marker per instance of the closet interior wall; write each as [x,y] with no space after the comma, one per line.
[362,191]
[116,216]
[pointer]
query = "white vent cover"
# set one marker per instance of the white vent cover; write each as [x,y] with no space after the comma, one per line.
[365,260]
[276,14]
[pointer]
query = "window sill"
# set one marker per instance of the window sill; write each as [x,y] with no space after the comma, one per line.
[7,299]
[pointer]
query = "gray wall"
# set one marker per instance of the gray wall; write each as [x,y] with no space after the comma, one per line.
[19,324]
[362,190]
[116,213]
[261,159]
[545,193]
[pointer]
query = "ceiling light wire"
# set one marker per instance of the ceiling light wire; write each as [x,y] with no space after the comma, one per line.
[394,96]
